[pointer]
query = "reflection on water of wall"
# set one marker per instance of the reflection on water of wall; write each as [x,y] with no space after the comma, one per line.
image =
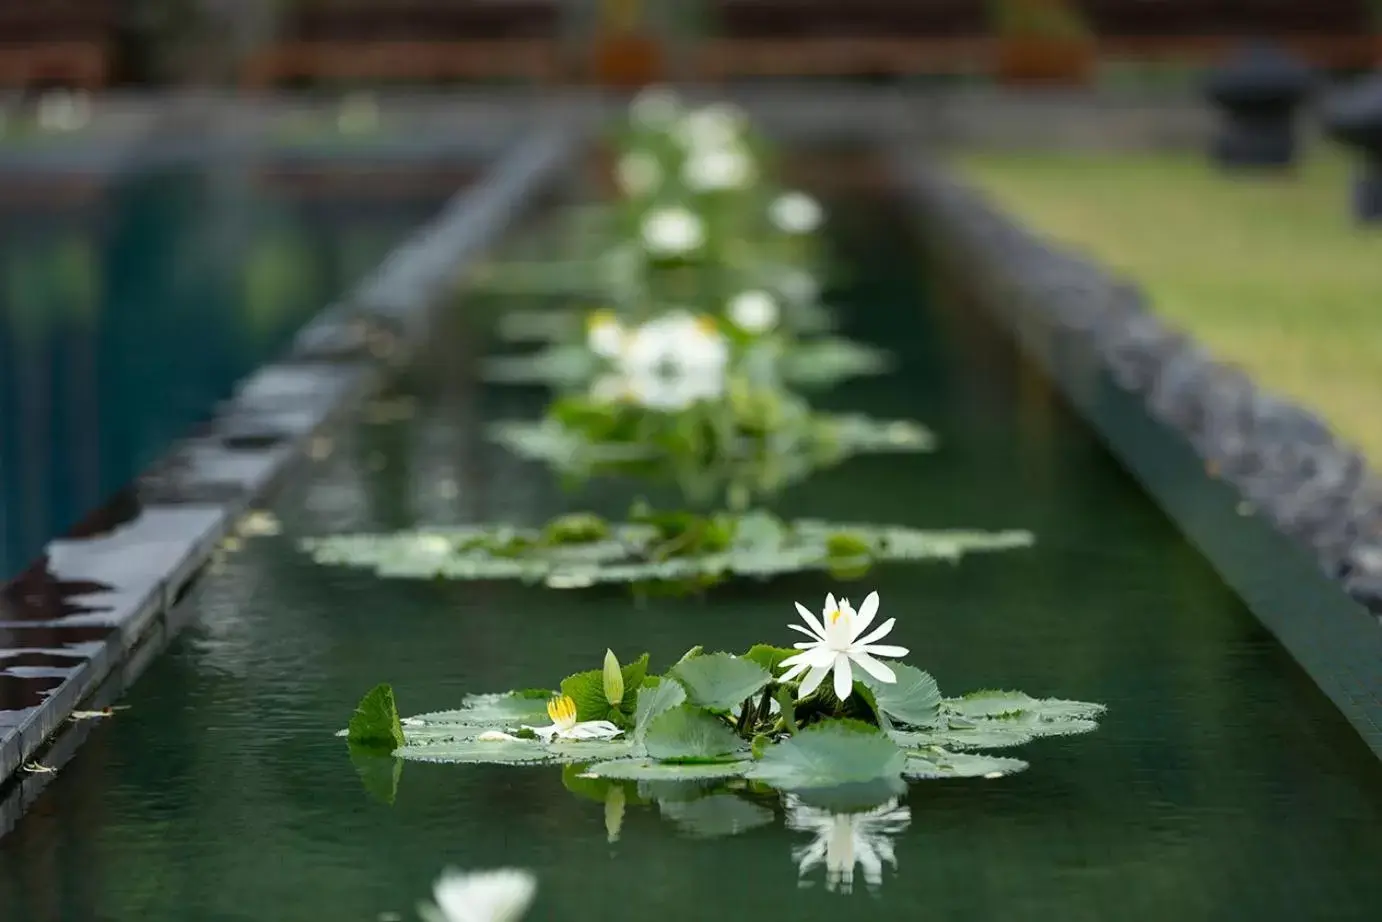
[128,308]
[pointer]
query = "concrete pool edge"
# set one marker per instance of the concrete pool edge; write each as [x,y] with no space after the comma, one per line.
[1190,430]
[80,625]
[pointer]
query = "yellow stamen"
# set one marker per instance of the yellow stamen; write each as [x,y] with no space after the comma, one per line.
[562,710]
[601,318]
[706,324]
[834,615]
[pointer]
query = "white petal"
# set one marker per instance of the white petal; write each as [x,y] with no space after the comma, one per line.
[485,896]
[806,631]
[593,730]
[496,736]
[844,677]
[796,658]
[883,630]
[829,605]
[866,613]
[806,644]
[795,671]
[874,668]
[813,680]
[811,620]
[543,733]
[883,650]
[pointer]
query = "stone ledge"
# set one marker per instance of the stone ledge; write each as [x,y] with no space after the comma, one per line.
[1288,515]
[85,620]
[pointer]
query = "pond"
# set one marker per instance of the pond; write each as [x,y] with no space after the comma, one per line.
[130,306]
[1221,784]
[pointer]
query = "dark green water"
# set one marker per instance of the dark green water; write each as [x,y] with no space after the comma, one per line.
[1221,787]
[128,309]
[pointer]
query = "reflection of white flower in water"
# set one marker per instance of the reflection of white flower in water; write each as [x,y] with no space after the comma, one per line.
[481,896]
[837,643]
[655,108]
[844,840]
[673,231]
[753,311]
[604,334]
[674,361]
[716,125]
[795,213]
[638,173]
[562,710]
[717,169]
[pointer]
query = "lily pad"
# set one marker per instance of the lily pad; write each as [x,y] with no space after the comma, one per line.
[688,734]
[1011,704]
[830,754]
[517,752]
[939,763]
[653,701]
[719,681]
[913,699]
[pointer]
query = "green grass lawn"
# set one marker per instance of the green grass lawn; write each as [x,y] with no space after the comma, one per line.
[1271,273]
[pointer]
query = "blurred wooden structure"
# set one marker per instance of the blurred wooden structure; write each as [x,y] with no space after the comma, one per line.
[1332,34]
[57,42]
[806,38]
[810,38]
[413,40]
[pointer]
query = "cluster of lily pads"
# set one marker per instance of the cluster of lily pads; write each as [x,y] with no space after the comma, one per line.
[837,721]
[655,549]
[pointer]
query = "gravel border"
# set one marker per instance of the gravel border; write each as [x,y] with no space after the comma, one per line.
[1286,513]
[77,629]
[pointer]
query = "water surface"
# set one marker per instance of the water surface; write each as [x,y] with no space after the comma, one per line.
[1222,786]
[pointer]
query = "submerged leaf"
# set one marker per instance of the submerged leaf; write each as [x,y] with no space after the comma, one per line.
[379,771]
[688,734]
[375,721]
[716,816]
[829,754]
[642,769]
[719,681]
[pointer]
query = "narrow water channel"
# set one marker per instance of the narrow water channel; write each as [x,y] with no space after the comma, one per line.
[1221,786]
[130,305]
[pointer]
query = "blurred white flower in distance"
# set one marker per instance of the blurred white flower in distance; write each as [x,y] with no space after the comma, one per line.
[638,173]
[604,334]
[753,312]
[795,213]
[502,895]
[673,231]
[674,361]
[717,169]
[656,108]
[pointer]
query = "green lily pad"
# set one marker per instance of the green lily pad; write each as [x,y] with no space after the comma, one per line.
[830,754]
[719,681]
[913,699]
[653,701]
[687,734]
[939,763]
[993,703]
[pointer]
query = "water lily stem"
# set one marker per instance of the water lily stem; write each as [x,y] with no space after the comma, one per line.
[789,715]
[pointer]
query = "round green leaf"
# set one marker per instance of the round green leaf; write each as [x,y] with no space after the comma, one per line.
[913,699]
[829,754]
[689,734]
[940,763]
[654,701]
[719,681]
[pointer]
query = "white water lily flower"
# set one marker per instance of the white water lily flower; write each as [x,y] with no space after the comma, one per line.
[503,895]
[795,213]
[715,125]
[836,644]
[843,840]
[604,334]
[564,726]
[675,361]
[753,311]
[638,173]
[610,388]
[673,231]
[656,108]
[717,169]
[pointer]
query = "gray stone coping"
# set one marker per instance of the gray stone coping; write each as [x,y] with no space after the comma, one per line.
[84,621]
[1287,513]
